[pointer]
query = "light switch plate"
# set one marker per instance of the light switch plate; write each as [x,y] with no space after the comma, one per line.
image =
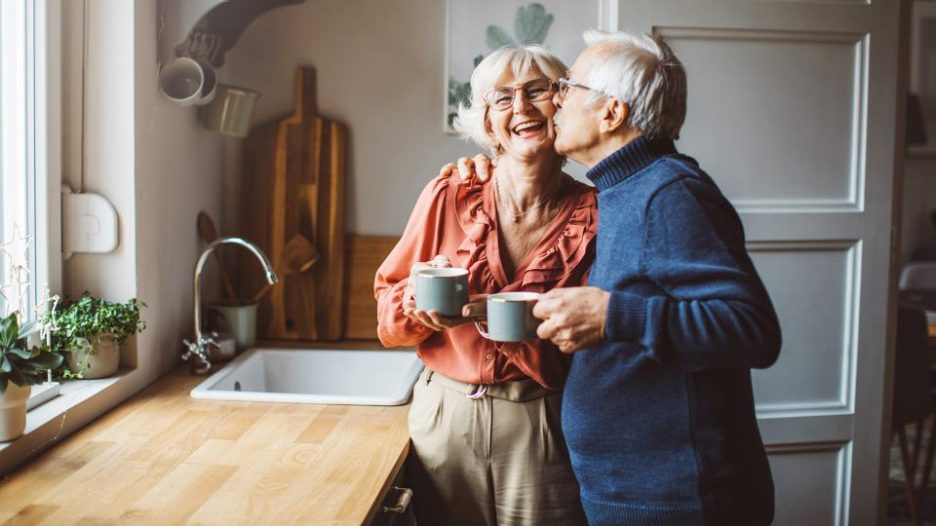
[89,223]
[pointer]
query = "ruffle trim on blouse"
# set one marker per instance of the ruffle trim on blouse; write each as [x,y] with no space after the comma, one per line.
[546,267]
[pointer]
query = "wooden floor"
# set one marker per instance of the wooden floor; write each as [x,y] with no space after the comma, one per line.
[164,458]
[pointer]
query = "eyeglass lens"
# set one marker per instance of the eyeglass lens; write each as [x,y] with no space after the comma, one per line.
[534,91]
[564,86]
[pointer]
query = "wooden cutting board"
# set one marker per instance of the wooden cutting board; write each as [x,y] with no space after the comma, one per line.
[364,255]
[293,182]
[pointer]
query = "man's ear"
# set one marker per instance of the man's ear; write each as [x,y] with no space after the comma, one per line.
[615,115]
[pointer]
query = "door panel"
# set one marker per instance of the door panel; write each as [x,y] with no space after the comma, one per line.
[799,87]
[792,110]
[821,471]
[817,334]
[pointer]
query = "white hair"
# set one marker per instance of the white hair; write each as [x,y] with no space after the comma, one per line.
[642,71]
[470,122]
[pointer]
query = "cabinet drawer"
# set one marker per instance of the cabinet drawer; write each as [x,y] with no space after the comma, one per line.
[396,508]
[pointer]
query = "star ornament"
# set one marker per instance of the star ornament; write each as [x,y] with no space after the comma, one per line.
[16,269]
[16,249]
[45,313]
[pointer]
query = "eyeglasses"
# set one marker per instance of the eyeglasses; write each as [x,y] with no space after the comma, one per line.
[566,84]
[534,91]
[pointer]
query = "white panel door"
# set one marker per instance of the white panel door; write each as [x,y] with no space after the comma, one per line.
[792,110]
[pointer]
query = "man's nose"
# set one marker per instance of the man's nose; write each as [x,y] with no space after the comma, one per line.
[557,100]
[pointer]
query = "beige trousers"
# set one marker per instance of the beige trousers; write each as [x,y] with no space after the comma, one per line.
[499,459]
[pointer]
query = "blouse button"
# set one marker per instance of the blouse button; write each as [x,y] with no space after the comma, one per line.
[489,356]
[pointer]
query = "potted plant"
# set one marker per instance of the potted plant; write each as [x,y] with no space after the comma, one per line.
[21,366]
[91,330]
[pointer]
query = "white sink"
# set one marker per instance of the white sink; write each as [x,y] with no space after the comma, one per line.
[315,376]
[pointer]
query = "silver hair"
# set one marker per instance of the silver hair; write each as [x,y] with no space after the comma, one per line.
[470,122]
[642,71]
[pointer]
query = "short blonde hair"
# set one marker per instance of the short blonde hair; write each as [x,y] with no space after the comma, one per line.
[470,121]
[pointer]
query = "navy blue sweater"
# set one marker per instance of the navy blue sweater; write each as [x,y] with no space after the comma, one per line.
[659,418]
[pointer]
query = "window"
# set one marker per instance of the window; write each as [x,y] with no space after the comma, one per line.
[29,153]
[34,37]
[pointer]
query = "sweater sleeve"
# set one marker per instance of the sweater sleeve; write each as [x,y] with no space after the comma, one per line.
[420,242]
[714,311]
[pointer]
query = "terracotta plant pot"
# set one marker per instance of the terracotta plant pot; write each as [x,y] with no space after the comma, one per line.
[99,360]
[13,411]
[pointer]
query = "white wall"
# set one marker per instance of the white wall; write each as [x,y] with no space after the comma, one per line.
[919,198]
[155,164]
[109,165]
[379,66]
[178,171]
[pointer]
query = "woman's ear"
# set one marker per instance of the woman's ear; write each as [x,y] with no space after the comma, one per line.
[615,115]
[495,147]
[488,128]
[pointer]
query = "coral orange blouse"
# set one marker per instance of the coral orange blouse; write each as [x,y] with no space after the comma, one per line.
[460,222]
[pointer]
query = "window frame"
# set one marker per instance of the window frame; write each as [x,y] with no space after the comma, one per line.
[31,144]
[30,131]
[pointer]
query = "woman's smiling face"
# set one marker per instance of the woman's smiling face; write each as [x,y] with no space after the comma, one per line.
[525,128]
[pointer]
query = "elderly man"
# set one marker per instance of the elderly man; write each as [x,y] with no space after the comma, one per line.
[658,410]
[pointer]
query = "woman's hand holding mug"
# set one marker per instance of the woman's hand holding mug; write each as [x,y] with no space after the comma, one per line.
[432,318]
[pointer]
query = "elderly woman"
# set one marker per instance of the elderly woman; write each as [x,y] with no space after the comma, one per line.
[499,458]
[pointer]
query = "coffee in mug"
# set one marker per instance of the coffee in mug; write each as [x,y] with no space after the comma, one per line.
[510,317]
[443,290]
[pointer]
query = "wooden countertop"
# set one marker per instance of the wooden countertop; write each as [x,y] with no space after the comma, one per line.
[165,458]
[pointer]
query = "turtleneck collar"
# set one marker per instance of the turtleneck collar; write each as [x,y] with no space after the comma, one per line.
[628,160]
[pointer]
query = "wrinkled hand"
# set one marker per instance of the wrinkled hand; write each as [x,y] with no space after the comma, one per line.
[574,317]
[476,308]
[471,170]
[431,319]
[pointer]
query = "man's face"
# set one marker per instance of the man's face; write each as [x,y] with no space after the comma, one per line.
[578,118]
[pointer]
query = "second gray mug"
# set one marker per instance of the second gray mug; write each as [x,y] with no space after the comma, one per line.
[510,317]
[443,290]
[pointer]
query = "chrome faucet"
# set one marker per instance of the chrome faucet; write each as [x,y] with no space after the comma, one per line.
[197,351]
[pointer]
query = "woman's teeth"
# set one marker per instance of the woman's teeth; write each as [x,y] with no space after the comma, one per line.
[527,127]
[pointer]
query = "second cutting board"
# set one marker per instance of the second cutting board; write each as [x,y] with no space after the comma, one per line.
[293,183]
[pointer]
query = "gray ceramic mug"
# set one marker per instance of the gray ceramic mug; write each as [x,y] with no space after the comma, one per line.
[182,81]
[510,317]
[443,290]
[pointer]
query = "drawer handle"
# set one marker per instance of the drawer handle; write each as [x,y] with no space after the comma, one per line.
[404,496]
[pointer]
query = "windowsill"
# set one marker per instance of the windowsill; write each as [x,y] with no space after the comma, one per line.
[43,393]
[45,424]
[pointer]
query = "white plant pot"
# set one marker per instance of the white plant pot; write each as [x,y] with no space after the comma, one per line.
[100,360]
[13,411]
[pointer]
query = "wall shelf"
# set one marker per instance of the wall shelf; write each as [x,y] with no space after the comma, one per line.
[206,29]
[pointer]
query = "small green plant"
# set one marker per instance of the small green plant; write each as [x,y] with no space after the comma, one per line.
[531,25]
[81,320]
[19,363]
[75,327]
